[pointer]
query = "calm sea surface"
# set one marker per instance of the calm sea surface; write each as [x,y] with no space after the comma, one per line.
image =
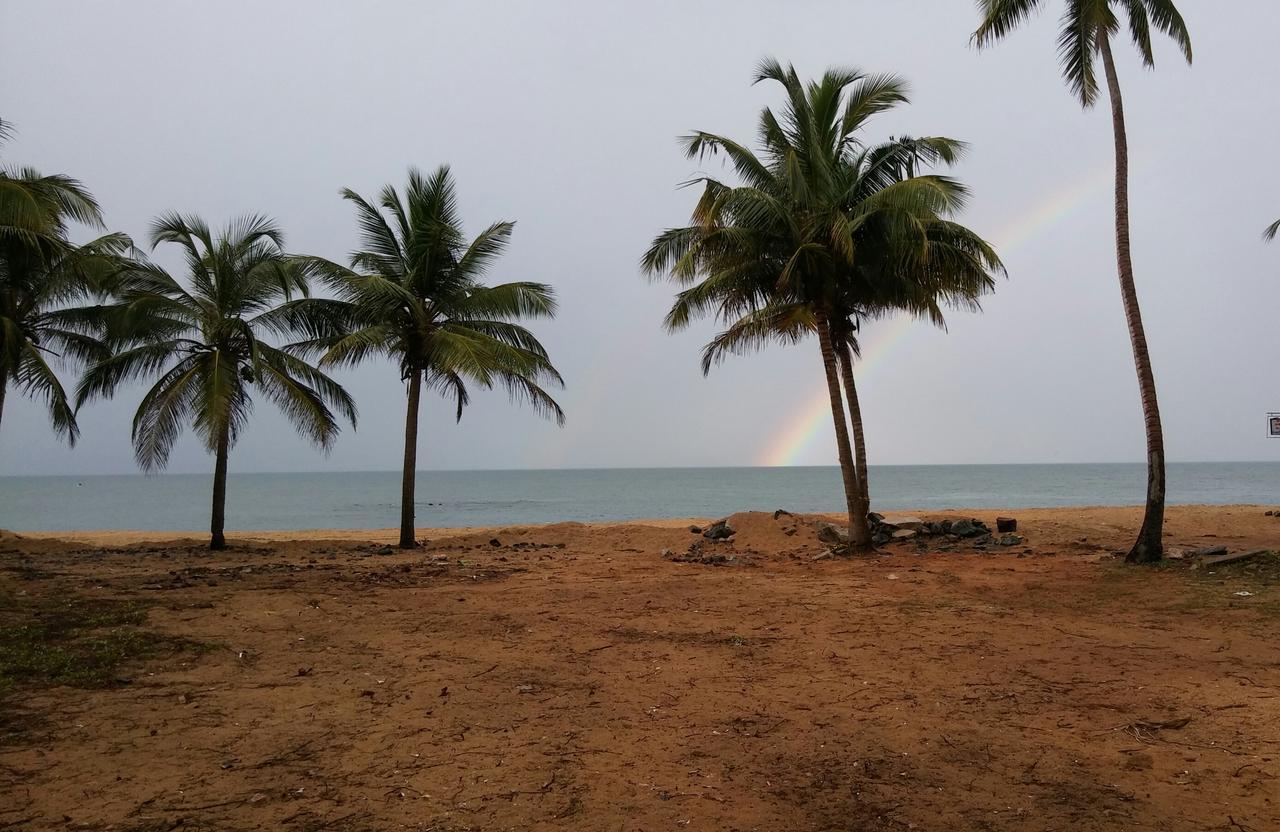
[489,498]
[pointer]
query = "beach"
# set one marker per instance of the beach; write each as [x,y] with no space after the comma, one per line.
[635,675]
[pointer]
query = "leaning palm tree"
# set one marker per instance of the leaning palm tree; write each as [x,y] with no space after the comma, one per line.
[202,339]
[414,294]
[44,281]
[1087,29]
[789,251]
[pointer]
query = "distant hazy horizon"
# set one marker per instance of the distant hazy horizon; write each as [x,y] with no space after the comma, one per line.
[564,115]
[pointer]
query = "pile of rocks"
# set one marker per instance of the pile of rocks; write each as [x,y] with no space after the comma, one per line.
[908,528]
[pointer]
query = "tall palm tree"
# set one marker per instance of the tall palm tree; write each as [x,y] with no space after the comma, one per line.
[202,339]
[781,256]
[1087,29]
[414,294]
[43,276]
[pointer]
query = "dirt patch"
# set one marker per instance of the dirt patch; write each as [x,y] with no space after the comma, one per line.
[572,677]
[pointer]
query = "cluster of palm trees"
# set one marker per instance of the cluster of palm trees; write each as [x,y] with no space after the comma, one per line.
[823,231]
[204,338]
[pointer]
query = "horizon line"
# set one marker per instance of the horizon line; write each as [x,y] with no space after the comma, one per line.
[647,468]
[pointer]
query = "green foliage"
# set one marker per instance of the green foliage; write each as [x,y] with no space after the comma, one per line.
[1084,24]
[202,339]
[43,276]
[1272,230]
[79,642]
[414,293]
[822,226]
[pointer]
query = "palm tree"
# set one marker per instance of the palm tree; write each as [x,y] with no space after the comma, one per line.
[414,293]
[42,276]
[1087,29]
[202,339]
[782,255]
[1272,230]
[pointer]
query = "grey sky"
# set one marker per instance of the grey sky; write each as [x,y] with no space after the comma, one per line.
[563,116]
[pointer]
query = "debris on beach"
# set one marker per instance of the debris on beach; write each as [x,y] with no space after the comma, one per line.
[719,530]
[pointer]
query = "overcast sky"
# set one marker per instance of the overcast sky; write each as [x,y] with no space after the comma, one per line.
[563,116]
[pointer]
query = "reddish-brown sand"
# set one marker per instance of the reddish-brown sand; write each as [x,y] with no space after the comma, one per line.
[572,678]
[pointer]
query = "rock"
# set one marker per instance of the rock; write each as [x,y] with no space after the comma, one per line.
[825,555]
[880,538]
[1265,513]
[827,533]
[666,553]
[695,530]
[1207,552]
[782,512]
[385,550]
[969,528]
[1009,540]
[719,530]
[904,534]
[874,518]
[1006,524]
[914,524]
[495,542]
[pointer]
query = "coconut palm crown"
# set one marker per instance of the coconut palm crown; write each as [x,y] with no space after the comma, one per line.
[45,282]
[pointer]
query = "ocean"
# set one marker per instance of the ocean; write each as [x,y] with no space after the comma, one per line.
[358,500]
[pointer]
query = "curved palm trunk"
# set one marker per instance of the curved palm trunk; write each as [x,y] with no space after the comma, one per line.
[410,473]
[219,518]
[859,534]
[859,438]
[1148,547]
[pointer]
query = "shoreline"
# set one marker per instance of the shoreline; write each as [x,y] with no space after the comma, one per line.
[128,537]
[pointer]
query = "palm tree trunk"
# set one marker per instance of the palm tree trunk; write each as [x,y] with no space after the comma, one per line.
[4,386]
[1149,546]
[407,483]
[216,538]
[859,534]
[859,438]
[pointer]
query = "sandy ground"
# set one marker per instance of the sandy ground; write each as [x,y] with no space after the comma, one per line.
[569,677]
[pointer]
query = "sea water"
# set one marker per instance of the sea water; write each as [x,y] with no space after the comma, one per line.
[357,500]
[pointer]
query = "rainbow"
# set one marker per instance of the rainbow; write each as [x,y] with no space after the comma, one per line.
[811,422]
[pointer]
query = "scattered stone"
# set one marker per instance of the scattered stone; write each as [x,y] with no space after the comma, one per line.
[828,533]
[914,524]
[825,555]
[782,512]
[695,530]
[385,550]
[969,528]
[526,688]
[1009,540]
[904,534]
[719,530]
[1006,525]
[495,542]
[666,553]
[1269,513]
[1207,552]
